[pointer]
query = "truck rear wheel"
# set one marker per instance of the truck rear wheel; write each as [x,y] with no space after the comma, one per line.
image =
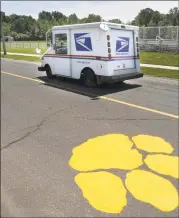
[49,72]
[89,78]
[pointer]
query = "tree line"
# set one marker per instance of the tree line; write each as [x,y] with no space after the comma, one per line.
[22,27]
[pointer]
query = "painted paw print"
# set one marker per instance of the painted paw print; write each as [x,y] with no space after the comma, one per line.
[107,192]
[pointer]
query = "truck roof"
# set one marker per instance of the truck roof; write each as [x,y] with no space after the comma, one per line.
[96,24]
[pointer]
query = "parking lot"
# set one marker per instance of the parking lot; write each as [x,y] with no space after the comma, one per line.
[43,120]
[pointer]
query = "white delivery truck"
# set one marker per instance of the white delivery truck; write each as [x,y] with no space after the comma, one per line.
[96,53]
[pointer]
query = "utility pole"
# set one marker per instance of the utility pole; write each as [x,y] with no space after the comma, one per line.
[2,37]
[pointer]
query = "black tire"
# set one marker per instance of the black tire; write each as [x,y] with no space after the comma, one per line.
[49,72]
[89,78]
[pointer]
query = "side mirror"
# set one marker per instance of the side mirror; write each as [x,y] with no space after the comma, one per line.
[38,50]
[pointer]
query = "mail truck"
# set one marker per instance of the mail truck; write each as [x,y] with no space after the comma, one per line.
[95,53]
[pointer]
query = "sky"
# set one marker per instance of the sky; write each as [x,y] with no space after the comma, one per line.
[124,10]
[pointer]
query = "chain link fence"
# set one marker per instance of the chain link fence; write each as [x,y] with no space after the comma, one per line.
[26,44]
[165,38]
[165,32]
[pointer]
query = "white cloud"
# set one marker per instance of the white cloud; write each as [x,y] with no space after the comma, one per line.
[124,10]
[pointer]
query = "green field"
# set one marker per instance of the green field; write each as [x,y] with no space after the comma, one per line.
[157,58]
[24,50]
[165,73]
[172,74]
[20,57]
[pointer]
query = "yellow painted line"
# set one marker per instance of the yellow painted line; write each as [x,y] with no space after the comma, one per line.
[103,97]
[23,77]
[139,107]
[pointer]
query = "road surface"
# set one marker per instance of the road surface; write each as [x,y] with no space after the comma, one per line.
[42,121]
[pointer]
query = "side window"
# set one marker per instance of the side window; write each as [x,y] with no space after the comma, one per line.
[61,46]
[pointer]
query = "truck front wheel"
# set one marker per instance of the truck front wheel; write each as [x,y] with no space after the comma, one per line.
[89,78]
[49,72]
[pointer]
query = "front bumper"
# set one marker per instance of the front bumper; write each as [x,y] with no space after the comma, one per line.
[41,69]
[119,78]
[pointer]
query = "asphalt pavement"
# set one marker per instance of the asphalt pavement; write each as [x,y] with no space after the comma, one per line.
[43,120]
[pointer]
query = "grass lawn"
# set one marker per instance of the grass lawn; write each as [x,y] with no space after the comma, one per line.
[24,50]
[171,74]
[165,73]
[157,58]
[20,57]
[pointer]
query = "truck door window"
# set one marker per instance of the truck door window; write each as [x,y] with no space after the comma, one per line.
[61,43]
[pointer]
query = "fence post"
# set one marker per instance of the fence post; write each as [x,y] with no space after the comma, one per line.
[159,31]
[143,32]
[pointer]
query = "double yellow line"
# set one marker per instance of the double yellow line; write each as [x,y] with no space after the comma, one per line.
[103,97]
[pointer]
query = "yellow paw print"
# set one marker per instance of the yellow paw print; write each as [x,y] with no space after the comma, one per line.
[106,192]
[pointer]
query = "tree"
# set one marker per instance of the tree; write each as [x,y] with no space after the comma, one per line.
[144,17]
[156,18]
[135,22]
[165,21]
[26,27]
[57,15]
[115,21]
[72,19]
[173,16]
[45,15]
[3,16]
[7,29]
[93,18]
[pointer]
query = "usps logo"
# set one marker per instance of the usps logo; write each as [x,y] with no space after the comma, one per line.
[83,42]
[122,45]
